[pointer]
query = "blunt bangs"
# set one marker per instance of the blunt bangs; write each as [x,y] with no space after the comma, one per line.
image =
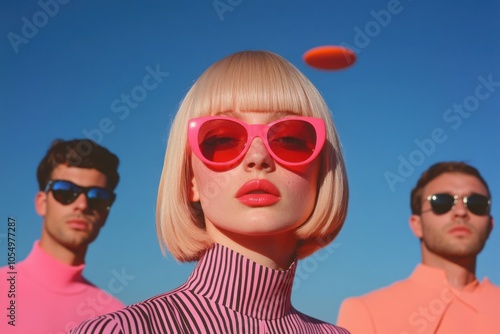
[254,81]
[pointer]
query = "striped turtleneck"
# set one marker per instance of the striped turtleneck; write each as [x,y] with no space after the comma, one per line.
[226,293]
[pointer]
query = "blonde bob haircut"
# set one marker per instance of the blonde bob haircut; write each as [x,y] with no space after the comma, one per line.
[247,80]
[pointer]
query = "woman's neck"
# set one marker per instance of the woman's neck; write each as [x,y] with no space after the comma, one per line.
[277,251]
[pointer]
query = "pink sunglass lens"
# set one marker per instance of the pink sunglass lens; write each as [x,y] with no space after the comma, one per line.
[221,140]
[292,141]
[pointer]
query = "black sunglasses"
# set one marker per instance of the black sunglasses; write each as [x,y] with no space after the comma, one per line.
[475,203]
[66,192]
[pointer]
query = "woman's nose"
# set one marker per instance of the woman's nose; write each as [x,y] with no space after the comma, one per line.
[258,156]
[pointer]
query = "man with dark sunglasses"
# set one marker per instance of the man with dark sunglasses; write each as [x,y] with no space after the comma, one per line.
[451,217]
[76,179]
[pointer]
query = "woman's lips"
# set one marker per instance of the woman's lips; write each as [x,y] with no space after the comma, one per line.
[258,192]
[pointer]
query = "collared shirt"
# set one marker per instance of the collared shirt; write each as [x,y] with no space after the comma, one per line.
[424,303]
[226,293]
[48,296]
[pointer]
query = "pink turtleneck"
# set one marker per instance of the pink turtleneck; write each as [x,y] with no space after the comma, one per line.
[50,296]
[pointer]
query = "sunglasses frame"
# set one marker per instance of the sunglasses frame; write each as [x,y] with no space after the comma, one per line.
[465,199]
[80,190]
[253,131]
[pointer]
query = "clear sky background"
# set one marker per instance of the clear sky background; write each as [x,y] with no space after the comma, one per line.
[425,88]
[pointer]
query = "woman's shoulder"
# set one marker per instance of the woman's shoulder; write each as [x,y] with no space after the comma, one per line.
[154,315]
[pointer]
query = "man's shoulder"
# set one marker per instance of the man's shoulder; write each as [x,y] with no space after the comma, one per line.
[394,289]
[109,302]
[12,268]
[487,285]
[361,314]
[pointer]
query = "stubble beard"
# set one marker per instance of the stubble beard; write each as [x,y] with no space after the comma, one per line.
[455,247]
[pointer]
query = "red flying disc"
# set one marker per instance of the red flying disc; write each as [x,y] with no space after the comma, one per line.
[329,57]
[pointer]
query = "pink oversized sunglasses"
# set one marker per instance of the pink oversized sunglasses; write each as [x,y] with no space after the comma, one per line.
[221,142]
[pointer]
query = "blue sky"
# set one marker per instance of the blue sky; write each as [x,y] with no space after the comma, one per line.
[425,88]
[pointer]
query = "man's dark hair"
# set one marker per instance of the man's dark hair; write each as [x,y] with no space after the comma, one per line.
[433,172]
[81,153]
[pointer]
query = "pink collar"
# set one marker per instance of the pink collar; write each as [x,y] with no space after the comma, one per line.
[52,273]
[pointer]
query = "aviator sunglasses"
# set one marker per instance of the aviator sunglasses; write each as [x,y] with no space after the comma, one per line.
[475,203]
[66,192]
[221,142]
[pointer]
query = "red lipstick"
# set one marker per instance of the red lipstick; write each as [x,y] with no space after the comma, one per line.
[258,192]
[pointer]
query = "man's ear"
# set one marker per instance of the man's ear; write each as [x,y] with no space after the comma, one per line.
[416,225]
[41,203]
[194,194]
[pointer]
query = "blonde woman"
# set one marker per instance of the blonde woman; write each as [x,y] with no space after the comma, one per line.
[253,181]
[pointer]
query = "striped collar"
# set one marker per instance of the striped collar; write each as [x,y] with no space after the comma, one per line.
[234,281]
